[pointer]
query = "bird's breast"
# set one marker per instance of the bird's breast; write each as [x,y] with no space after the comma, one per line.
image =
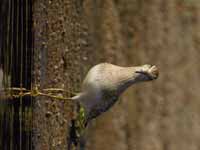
[102,104]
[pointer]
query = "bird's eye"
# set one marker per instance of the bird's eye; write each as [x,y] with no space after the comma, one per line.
[141,72]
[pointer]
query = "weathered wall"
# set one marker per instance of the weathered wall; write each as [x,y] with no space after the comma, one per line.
[60,44]
[72,35]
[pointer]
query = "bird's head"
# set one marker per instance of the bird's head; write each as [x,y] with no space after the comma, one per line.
[145,73]
[132,75]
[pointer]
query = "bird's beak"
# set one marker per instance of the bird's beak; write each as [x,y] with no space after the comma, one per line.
[150,71]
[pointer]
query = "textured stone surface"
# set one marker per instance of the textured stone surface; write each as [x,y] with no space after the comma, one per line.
[122,32]
[60,45]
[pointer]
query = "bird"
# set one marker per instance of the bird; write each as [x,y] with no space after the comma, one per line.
[105,83]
